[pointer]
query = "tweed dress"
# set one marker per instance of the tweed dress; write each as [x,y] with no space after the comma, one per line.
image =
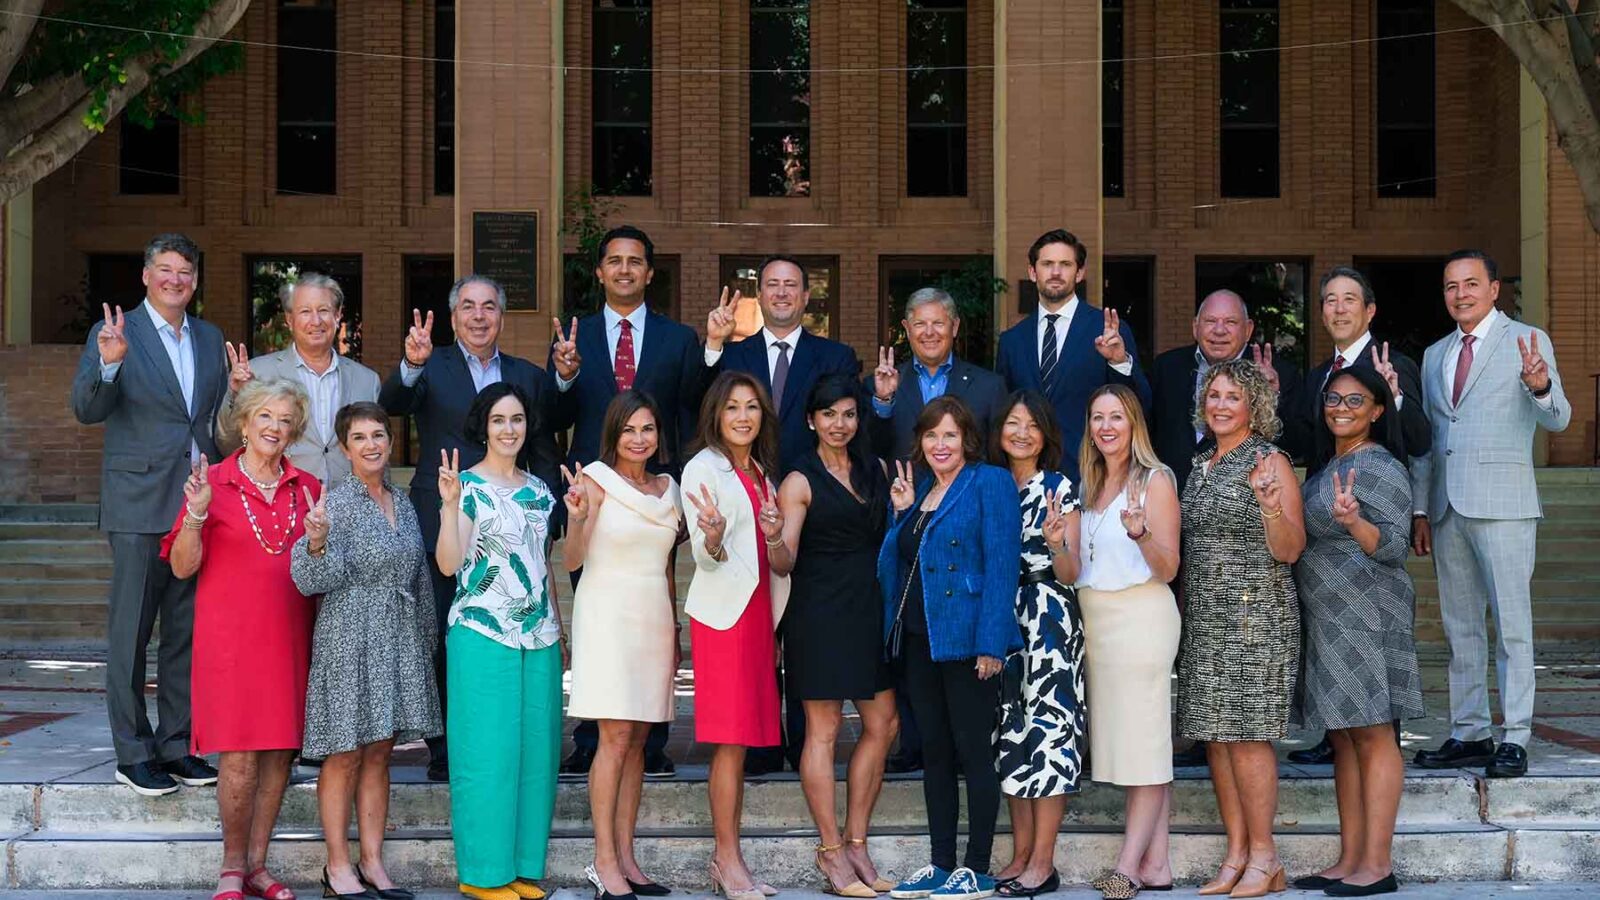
[1240,651]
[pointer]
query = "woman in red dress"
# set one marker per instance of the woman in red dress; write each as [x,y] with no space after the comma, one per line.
[252,628]
[735,602]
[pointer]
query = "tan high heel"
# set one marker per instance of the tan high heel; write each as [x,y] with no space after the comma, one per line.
[881,885]
[1277,882]
[853,889]
[718,886]
[1221,885]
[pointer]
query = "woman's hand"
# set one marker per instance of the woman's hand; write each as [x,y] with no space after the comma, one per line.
[1346,510]
[1133,521]
[903,492]
[987,667]
[770,518]
[710,519]
[316,521]
[576,498]
[197,489]
[449,477]
[1264,481]
[1055,522]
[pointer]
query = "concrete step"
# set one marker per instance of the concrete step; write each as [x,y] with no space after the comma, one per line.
[64,611]
[37,569]
[1568,567]
[46,589]
[1572,587]
[54,549]
[18,531]
[49,512]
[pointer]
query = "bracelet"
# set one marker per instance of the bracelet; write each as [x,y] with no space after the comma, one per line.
[773,543]
[1274,515]
[1058,551]
[318,554]
[714,553]
[189,512]
[1137,537]
[193,524]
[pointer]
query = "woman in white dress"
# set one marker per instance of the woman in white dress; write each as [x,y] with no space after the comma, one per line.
[624,523]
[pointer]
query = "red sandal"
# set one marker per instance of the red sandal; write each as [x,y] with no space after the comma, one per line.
[273,891]
[229,895]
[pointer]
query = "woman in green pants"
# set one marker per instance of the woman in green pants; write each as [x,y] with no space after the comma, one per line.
[503,644]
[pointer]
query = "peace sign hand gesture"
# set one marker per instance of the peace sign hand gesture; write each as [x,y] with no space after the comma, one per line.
[576,498]
[1386,369]
[719,324]
[1109,343]
[450,476]
[111,342]
[316,521]
[769,518]
[1055,522]
[1133,521]
[1535,371]
[239,373]
[710,518]
[1346,511]
[1264,481]
[903,492]
[564,350]
[419,339]
[1261,355]
[885,378]
[197,489]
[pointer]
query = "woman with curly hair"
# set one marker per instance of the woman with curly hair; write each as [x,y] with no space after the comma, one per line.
[1240,652]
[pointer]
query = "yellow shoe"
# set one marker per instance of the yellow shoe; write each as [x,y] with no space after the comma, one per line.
[488,893]
[527,889]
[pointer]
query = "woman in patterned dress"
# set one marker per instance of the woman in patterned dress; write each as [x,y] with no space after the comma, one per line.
[1360,671]
[502,652]
[1240,650]
[371,682]
[1042,723]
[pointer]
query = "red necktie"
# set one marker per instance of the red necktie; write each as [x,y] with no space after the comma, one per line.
[623,367]
[1463,367]
[1338,363]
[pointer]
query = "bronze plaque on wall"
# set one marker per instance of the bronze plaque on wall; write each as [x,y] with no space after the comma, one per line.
[505,247]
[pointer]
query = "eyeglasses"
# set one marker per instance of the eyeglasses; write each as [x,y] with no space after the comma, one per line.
[1334,400]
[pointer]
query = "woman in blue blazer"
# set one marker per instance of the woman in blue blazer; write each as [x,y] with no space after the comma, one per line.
[948,567]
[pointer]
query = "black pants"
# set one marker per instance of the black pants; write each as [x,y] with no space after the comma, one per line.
[956,713]
[586,736]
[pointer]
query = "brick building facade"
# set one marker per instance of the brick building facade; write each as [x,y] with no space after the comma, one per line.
[1234,142]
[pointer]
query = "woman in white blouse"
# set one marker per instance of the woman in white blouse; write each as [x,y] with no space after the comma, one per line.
[1128,545]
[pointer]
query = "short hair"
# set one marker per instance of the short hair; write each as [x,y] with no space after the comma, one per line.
[1058,236]
[465,281]
[618,412]
[259,392]
[1244,305]
[765,449]
[359,411]
[171,242]
[626,233]
[311,280]
[1470,253]
[1367,296]
[1043,415]
[933,414]
[830,389]
[926,295]
[1386,431]
[475,428]
[761,270]
[1257,390]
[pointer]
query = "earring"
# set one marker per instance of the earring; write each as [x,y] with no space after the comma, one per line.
[244,441]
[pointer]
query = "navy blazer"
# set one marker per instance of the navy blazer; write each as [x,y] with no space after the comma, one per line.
[971,552]
[813,358]
[981,390]
[439,402]
[1079,372]
[670,367]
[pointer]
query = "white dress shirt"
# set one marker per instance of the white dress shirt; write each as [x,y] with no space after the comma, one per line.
[792,339]
[1067,311]
[613,320]
[179,345]
[323,390]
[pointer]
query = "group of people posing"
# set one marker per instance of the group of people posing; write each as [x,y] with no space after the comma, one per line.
[983,555]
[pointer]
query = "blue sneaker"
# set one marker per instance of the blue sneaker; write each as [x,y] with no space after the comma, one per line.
[922,882]
[965,884]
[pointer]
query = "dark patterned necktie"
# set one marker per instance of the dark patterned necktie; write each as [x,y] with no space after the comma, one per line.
[780,373]
[623,368]
[1048,355]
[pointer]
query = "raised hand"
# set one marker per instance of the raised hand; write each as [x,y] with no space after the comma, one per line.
[1055,521]
[449,476]
[769,517]
[1264,481]
[316,520]
[1535,371]
[111,342]
[239,373]
[710,518]
[1133,521]
[1386,369]
[576,498]
[1346,511]
[885,378]
[1109,343]
[197,489]
[903,492]
[1261,355]
[719,324]
[419,339]
[564,350]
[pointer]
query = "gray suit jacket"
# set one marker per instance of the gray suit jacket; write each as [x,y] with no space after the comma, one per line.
[1481,462]
[148,431]
[314,453]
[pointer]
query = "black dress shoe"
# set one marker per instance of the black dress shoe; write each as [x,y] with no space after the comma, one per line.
[658,765]
[1384,885]
[901,763]
[1454,754]
[191,770]
[1320,755]
[1194,756]
[146,779]
[1510,761]
[1313,883]
[439,770]
[393,893]
[579,761]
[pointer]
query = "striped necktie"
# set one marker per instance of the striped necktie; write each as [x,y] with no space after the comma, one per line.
[1048,356]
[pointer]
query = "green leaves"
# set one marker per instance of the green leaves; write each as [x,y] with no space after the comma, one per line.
[482,617]
[482,577]
[469,505]
[521,571]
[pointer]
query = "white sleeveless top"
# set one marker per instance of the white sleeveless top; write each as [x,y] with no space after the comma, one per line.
[1116,563]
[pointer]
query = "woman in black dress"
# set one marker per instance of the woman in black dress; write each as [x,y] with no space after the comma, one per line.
[835,505]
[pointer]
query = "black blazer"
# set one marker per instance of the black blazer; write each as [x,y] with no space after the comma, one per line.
[1172,416]
[813,358]
[670,367]
[439,402]
[980,389]
[1415,433]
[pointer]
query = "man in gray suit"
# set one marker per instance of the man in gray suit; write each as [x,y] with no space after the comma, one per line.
[313,307]
[155,377]
[1487,386]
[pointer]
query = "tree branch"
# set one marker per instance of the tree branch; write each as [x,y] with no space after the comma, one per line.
[17,22]
[42,104]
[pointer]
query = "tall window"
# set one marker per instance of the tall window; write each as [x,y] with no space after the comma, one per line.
[307,97]
[1128,285]
[1249,92]
[780,98]
[148,157]
[936,98]
[1111,51]
[621,145]
[444,97]
[822,276]
[1404,87]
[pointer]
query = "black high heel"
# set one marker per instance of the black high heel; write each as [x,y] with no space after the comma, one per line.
[600,892]
[649,888]
[328,891]
[383,893]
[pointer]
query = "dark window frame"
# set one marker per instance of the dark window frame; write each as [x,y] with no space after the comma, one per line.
[729,264]
[664,293]
[950,128]
[1113,97]
[444,98]
[296,174]
[1143,320]
[763,130]
[1405,42]
[608,133]
[1245,124]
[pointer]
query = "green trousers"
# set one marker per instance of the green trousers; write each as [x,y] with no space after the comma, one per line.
[504,731]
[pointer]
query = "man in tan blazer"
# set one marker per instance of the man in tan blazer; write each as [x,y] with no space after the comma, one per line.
[313,307]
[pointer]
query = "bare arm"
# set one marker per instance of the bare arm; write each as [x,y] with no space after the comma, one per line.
[1068,563]
[1164,521]
[1286,531]
[583,507]
[794,498]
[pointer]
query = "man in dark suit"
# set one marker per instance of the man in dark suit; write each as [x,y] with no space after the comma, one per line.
[156,378]
[437,389]
[622,346]
[1067,348]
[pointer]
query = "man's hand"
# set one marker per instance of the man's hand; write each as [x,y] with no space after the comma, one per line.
[1535,371]
[885,378]
[564,351]
[719,324]
[111,342]
[1109,343]
[419,340]
[1261,355]
[1421,536]
[239,373]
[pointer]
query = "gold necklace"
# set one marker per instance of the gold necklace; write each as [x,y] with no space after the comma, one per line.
[1358,445]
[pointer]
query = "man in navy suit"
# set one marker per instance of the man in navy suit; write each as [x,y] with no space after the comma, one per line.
[436,389]
[788,360]
[622,346]
[1068,348]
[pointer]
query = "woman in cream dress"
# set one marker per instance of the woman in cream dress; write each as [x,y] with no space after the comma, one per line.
[624,525]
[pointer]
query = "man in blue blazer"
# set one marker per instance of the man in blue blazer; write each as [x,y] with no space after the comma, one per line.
[1067,348]
[436,389]
[625,345]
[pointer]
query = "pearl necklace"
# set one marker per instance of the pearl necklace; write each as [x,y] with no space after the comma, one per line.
[262,486]
[284,534]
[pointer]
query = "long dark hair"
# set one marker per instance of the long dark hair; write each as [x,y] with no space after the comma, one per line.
[476,426]
[765,449]
[1385,431]
[1044,416]
[830,389]
[618,412]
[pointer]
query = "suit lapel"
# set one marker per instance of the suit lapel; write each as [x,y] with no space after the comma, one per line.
[207,363]
[801,361]
[750,355]
[953,496]
[1480,359]
[593,343]
[1031,352]
[654,334]
[142,334]
[455,365]
[959,381]
[1085,326]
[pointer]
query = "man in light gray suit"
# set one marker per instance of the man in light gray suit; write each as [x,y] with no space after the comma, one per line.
[155,377]
[313,307]
[1486,387]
